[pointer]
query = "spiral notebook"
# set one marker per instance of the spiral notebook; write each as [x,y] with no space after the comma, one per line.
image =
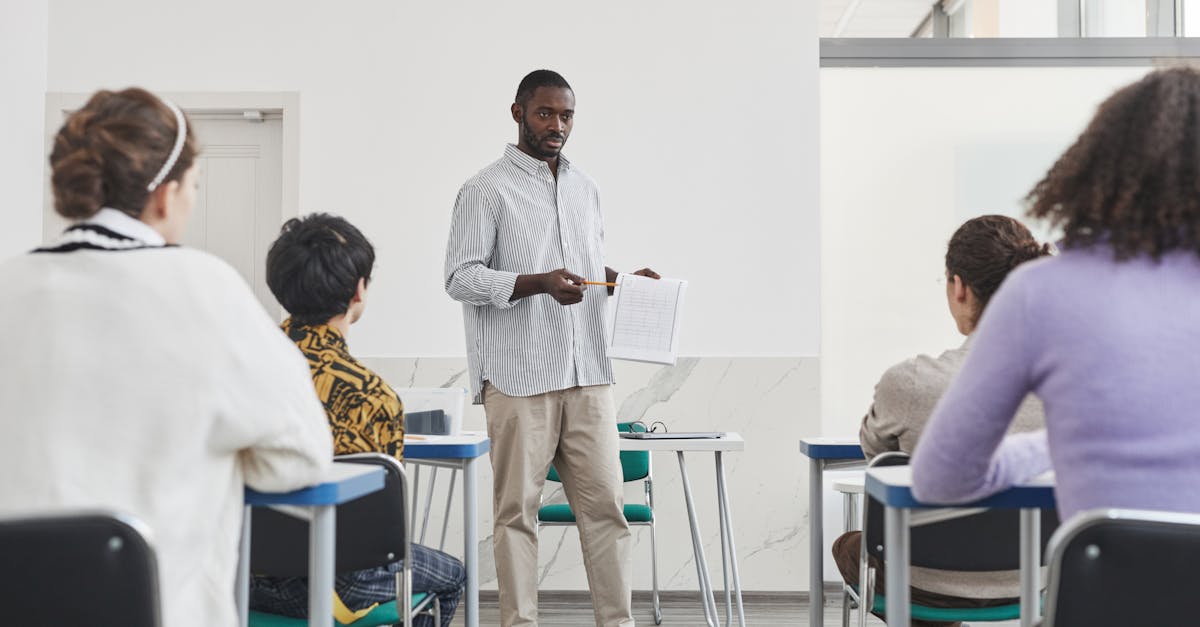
[644,322]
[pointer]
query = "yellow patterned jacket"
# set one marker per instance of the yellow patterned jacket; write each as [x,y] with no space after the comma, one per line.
[363,410]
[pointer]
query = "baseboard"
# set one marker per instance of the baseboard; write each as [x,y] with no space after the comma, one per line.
[757,597]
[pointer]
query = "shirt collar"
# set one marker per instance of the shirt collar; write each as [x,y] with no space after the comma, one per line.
[530,164]
[122,223]
[326,335]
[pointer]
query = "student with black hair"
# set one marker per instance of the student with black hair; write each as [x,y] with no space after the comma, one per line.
[318,269]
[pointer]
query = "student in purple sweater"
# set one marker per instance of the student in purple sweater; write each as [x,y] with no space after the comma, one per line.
[1107,334]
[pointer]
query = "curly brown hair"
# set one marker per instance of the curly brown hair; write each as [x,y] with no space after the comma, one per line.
[1132,179]
[985,249]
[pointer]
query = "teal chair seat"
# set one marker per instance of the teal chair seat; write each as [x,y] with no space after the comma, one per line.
[994,614]
[383,614]
[955,614]
[561,513]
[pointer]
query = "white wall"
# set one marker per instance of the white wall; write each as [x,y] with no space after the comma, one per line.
[1027,18]
[23,34]
[907,155]
[699,120]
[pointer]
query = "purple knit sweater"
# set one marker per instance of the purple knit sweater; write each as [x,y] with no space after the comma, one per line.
[1113,351]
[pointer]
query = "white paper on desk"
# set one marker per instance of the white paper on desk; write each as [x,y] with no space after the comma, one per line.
[644,322]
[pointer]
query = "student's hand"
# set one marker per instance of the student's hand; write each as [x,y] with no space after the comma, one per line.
[647,272]
[563,286]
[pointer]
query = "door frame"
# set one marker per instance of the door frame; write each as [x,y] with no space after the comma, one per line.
[286,104]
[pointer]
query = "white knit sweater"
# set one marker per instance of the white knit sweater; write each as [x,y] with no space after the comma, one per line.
[151,381]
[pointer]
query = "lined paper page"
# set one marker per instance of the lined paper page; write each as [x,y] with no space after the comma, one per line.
[645,319]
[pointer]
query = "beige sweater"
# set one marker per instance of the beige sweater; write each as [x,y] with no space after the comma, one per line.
[904,401]
[152,382]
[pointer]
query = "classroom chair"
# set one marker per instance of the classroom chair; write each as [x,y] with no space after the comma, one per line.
[79,568]
[1114,567]
[372,531]
[966,540]
[635,466]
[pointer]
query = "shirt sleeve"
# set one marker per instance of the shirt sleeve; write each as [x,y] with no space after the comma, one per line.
[963,454]
[469,279]
[886,420]
[268,410]
[373,423]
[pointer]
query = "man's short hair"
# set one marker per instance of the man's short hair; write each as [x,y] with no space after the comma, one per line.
[538,78]
[314,266]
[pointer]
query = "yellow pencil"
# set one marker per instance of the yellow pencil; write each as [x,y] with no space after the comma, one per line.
[412,437]
[600,283]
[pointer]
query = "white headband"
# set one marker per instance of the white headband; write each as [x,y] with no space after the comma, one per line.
[180,136]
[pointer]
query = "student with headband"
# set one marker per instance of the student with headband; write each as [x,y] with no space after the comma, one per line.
[144,377]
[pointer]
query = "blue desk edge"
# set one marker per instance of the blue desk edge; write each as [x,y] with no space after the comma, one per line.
[1020,497]
[841,450]
[330,493]
[433,450]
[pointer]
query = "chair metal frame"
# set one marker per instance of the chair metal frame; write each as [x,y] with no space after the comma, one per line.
[865,602]
[864,598]
[404,592]
[648,501]
[124,528]
[1069,531]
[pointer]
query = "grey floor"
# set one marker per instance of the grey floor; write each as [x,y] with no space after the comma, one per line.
[570,610]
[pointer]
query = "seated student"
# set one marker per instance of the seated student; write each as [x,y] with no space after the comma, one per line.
[318,269]
[142,376]
[980,255]
[1105,334]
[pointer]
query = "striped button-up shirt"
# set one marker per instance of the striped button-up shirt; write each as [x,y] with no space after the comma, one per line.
[515,218]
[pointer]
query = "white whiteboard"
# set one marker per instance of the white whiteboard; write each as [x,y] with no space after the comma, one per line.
[907,155]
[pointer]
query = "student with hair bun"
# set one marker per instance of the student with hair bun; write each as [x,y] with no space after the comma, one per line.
[142,376]
[980,255]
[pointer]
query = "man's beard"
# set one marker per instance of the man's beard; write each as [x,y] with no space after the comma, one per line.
[535,143]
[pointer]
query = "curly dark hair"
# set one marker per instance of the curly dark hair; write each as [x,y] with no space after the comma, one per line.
[985,249]
[1132,179]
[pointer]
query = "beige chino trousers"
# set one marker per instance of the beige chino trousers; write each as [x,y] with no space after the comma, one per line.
[576,430]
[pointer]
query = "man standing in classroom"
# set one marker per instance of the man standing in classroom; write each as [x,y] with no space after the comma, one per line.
[525,243]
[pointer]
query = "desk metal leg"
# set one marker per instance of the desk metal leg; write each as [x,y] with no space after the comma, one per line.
[415,499]
[471,543]
[850,522]
[446,517]
[896,560]
[725,568]
[727,536]
[710,604]
[816,545]
[428,502]
[242,585]
[322,530]
[1031,559]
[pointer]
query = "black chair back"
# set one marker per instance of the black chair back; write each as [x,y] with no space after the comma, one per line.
[371,530]
[94,568]
[1113,568]
[987,541]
